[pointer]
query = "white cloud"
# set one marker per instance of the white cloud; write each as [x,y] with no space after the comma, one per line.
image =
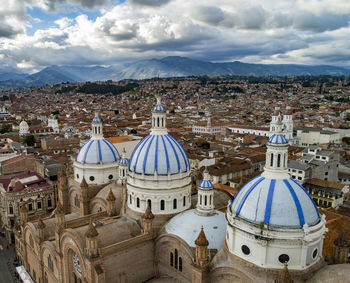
[272,31]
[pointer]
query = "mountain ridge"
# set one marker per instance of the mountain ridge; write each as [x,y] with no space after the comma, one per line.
[170,66]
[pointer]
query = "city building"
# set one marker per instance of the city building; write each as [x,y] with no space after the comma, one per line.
[139,225]
[28,191]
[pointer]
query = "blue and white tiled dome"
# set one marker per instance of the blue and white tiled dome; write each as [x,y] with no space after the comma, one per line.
[124,161]
[206,184]
[158,108]
[279,203]
[278,139]
[160,154]
[97,151]
[97,120]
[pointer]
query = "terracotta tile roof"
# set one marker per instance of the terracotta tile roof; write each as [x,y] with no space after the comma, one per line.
[119,139]
[221,187]
[335,222]
[324,183]
[17,158]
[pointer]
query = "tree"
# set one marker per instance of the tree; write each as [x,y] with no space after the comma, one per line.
[5,128]
[29,140]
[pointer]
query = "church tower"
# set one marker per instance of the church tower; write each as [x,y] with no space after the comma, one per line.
[205,201]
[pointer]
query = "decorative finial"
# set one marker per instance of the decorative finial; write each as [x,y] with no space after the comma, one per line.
[159,99]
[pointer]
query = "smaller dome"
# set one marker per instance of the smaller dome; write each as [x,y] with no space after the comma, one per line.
[124,161]
[97,120]
[23,124]
[206,184]
[158,108]
[278,139]
[97,151]
[187,225]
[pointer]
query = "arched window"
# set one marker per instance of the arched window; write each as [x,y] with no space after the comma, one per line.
[285,160]
[205,200]
[149,203]
[184,201]
[45,278]
[171,259]
[180,264]
[162,122]
[123,172]
[50,263]
[273,128]
[162,205]
[130,199]
[76,201]
[271,162]
[200,199]
[157,121]
[175,204]
[137,202]
[279,160]
[210,200]
[176,258]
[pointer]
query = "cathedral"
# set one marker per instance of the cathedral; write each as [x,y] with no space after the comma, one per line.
[138,220]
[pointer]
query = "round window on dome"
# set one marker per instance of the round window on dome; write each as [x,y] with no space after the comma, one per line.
[245,250]
[92,178]
[110,177]
[315,253]
[283,258]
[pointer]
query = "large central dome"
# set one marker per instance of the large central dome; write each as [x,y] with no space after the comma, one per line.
[159,171]
[160,154]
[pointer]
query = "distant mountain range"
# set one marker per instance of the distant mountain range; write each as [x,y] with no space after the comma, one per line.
[172,66]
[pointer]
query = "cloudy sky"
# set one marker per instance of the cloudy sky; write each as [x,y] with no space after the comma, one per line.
[38,33]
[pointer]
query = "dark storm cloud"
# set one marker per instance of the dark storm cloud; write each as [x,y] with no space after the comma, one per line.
[257,18]
[53,5]
[7,31]
[150,2]
[320,23]
[209,14]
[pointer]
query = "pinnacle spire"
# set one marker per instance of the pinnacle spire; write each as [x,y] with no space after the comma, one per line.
[59,208]
[148,213]
[91,232]
[41,224]
[111,196]
[285,275]
[83,183]
[201,239]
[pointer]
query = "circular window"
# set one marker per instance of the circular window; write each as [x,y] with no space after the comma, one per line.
[77,176]
[314,254]
[245,250]
[283,258]
[92,178]
[110,177]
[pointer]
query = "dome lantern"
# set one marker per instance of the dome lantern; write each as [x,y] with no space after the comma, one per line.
[205,201]
[97,127]
[159,118]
